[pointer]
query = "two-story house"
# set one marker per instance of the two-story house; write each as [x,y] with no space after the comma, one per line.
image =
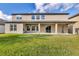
[56,23]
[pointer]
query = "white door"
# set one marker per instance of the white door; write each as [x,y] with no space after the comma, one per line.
[2,29]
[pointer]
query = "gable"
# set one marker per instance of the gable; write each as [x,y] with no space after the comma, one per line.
[74,18]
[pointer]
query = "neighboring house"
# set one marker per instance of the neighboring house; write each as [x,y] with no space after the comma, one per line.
[75,25]
[2,26]
[56,23]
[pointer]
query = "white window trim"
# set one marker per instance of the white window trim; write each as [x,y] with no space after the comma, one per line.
[18,16]
[31,28]
[40,19]
[35,28]
[13,27]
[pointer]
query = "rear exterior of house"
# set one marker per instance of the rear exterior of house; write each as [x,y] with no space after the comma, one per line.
[56,23]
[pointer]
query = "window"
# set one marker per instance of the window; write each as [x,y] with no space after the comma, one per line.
[38,17]
[33,17]
[33,28]
[42,16]
[18,17]
[13,27]
[28,28]
[36,28]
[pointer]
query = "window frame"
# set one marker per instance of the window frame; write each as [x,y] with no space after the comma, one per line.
[33,28]
[33,17]
[42,17]
[13,27]
[37,17]
[29,27]
[18,17]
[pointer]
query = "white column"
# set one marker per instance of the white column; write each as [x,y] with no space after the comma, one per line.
[30,28]
[73,30]
[39,27]
[56,27]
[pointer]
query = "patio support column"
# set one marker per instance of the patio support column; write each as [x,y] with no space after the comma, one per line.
[39,27]
[56,27]
[73,30]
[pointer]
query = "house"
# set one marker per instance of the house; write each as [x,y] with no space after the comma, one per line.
[75,25]
[56,23]
[2,26]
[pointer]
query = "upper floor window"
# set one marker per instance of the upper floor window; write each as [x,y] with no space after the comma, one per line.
[33,17]
[18,17]
[42,16]
[37,17]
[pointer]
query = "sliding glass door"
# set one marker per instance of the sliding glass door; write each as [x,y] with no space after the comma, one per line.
[32,28]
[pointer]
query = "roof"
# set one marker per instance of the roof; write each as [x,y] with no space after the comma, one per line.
[74,16]
[40,21]
[2,22]
[40,14]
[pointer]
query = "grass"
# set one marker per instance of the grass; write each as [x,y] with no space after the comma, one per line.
[39,45]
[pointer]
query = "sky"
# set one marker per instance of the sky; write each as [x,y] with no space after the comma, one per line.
[6,9]
[9,8]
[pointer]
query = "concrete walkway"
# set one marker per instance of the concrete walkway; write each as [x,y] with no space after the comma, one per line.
[51,33]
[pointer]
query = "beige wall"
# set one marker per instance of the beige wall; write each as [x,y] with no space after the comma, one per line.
[56,17]
[47,17]
[43,26]
[65,28]
[24,18]
[59,30]
[76,25]
[19,28]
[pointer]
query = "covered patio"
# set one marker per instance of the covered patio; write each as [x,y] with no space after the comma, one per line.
[54,27]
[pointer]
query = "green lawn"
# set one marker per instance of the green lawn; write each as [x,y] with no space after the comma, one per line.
[38,45]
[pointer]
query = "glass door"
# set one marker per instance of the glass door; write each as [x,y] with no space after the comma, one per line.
[48,29]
